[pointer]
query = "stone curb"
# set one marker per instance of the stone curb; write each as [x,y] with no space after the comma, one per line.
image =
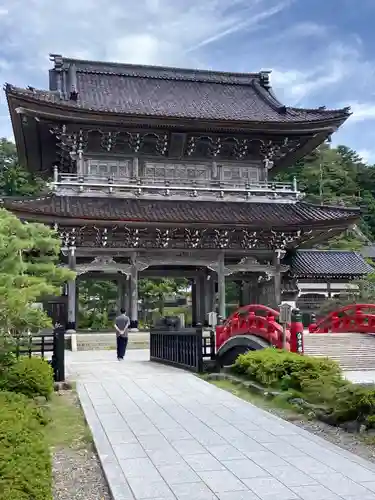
[246,384]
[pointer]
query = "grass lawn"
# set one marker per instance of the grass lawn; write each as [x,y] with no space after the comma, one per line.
[67,428]
[278,403]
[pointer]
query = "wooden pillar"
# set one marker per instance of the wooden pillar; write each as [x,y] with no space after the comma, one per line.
[221,285]
[194,320]
[277,278]
[246,293]
[127,295]
[241,301]
[255,290]
[210,294]
[135,168]
[198,294]
[72,293]
[121,293]
[80,163]
[134,294]
[201,298]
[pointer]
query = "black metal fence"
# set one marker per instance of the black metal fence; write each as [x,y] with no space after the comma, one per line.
[188,348]
[49,346]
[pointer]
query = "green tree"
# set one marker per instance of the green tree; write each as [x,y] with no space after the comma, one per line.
[15,180]
[337,176]
[153,293]
[97,303]
[29,271]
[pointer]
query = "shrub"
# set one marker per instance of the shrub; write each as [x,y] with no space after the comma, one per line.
[25,461]
[284,370]
[29,376]
[317,380]
[354,403]
[7,356]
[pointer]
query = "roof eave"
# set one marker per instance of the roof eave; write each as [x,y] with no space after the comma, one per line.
[17,130]
[61,111]
[329,275]
[335,225]
[310,145]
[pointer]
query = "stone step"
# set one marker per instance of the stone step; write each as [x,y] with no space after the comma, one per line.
[103,341]
[353,351]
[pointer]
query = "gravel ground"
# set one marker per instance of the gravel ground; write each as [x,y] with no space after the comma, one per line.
[78,476]
[350,442]
[77,473]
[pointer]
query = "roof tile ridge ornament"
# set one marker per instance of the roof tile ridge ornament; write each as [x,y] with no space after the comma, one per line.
[263,88]
[323,109]
[336,207]
[58,68]
[30,91]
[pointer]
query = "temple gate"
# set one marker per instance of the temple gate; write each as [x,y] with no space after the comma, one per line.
[176,185]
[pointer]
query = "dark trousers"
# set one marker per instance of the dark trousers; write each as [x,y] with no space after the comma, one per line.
[122,342]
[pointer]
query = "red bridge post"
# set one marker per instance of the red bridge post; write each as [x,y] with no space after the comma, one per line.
[296,332]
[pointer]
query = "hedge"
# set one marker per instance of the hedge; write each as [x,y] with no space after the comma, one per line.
[284,370]
[29,376]
[25,459]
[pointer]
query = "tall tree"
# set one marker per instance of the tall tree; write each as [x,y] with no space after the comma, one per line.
[337,176]
[14,179]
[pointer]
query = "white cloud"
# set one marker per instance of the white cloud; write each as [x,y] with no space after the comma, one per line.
[151,31]
[313,64]
[162,32]
[362,111]
[340,67]
[367,155]
[252,20]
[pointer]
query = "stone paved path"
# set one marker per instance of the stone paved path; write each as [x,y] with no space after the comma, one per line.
[164,434]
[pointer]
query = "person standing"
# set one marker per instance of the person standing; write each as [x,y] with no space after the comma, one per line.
[122,323]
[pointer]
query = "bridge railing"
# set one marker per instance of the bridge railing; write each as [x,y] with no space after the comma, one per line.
[48,346]
[353,318]
[186,348]
[254,319]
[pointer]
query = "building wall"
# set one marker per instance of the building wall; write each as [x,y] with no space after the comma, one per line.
[172,170]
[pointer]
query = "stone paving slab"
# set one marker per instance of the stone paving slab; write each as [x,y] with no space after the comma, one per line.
[164,434]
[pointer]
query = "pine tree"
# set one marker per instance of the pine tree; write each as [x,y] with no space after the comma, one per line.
[29,271]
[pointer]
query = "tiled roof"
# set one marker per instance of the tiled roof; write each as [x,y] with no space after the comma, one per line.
[368,251]
[171,211]
[176,93]
[315,263]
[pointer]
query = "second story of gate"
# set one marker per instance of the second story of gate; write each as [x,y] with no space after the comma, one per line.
[118,130]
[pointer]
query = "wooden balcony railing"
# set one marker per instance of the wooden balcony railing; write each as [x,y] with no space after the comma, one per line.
[173,188]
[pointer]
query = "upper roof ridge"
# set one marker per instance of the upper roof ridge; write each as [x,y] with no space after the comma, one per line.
[158,72]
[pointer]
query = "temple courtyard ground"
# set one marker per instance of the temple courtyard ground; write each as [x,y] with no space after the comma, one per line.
[163,434]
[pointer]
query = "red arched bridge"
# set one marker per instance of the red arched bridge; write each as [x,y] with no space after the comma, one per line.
[253,327]
[353,318]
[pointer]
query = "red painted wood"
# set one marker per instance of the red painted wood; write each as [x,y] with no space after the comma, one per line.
[354,318]
[254,319]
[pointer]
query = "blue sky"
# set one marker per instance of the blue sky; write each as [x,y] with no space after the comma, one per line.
[321,52]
